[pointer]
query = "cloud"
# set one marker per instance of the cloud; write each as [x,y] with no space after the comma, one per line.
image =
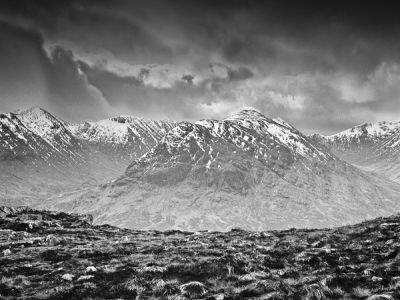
[21,63]
[29,77]
[321,66]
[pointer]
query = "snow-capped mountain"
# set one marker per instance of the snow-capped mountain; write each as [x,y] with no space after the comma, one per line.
[35,137]
[371,146]
[250,129]
[41,155]
[361,138]
[15,137]
[366,132]
[246,170]
[125,136]
[55,132]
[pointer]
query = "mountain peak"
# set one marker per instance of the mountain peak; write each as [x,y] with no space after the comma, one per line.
[45,125]
[31,110]
[36,113]
[247,114]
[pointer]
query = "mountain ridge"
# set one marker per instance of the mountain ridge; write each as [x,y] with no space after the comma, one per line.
[371,146]
[42,155]
[236,172]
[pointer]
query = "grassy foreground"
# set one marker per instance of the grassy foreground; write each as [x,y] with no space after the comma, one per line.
[48,255]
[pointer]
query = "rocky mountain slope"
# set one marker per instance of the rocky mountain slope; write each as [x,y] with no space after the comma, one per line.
[371,146]
[361,140]
[42,156]
[386,157]
[123,137]
[50,255]
[246,170]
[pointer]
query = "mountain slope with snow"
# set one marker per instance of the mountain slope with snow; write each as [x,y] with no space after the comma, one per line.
[371,146]
[361,140]
[42,156]
[248,171]
[385,158]
[366,131]
[125,137]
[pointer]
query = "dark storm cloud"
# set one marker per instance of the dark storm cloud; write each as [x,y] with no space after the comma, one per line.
[183,99]
[319,64]
[240,73]
[28,77]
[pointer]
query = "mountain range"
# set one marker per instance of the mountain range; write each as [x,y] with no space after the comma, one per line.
[246,171]
[42,156]
[373,147]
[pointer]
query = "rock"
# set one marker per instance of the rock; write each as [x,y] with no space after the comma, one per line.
[317,244]
[7,252]
[87,218]
[85,277]
[153,270]
[193,289]
[381,297]
[68,277]
[124,239]
[246,278]
[368,271]
[91,269]
[4,211]
[51,240]
[376,279]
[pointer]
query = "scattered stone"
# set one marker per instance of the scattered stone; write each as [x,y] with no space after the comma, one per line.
[153,270]
[51,240]
[85,277]
[6,252]
[68,277]
[368,271]
[381,297]
[124,239]
[91,269]
[376,279]
[246,278]
[317,244]
[159,266]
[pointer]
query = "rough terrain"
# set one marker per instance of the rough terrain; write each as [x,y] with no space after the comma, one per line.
[49,255]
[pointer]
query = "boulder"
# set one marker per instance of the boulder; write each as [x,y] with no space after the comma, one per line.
[193,289]
[6,252]
[68,277]
[91,269]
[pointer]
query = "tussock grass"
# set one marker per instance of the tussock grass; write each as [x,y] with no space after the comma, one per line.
[353,262]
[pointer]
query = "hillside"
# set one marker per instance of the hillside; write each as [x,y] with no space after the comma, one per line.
[246,170]
[43,157]
[50,255]
[371,146]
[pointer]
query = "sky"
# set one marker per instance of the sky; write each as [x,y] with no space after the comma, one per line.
[323,66]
